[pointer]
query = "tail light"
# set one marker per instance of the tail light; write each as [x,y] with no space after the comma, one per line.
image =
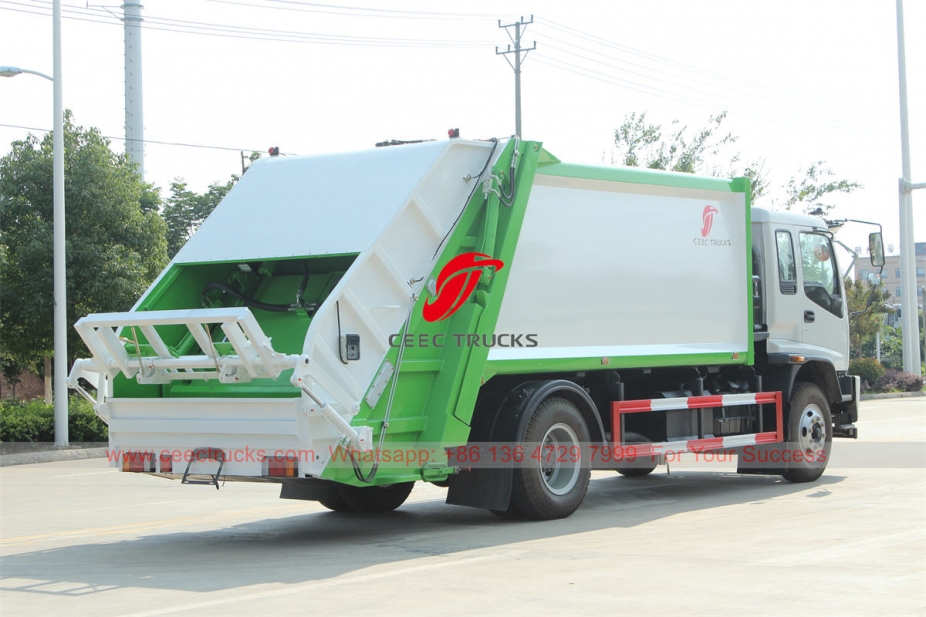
[138,461]
[281,466]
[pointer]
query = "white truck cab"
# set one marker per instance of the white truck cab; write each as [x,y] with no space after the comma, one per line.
[801,316]
[805,310]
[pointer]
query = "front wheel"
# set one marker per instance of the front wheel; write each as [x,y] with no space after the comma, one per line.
[810,433]
[554,478]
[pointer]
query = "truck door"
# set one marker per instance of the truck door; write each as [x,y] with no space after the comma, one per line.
[824,311]
[784,303]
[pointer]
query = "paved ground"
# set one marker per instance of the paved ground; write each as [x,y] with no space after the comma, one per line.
[78,538]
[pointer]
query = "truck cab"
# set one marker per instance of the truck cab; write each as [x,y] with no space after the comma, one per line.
[804,310]
[801,316]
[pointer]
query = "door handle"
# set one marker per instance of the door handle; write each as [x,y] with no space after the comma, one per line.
[809,317]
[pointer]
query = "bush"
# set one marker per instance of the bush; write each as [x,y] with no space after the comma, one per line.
[868,369]
[35,421]
[83,423]
[26,421]
[899,381]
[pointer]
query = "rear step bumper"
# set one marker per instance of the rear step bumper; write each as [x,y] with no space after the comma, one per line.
[252,437]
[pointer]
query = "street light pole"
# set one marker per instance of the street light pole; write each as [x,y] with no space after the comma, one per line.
[60,288]
[61,315]
[911,321]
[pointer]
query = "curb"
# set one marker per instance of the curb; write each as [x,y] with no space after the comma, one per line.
[886,395]
[50,456]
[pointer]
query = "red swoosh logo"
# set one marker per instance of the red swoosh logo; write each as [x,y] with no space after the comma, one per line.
[707,220]
[456,283]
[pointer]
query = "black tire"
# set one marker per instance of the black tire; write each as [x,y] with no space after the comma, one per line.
[638,468]
[553,488]
[810,433]
[375,499]
[335,502]
[509,515]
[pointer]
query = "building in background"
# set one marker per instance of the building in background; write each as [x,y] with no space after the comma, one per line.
[890,277]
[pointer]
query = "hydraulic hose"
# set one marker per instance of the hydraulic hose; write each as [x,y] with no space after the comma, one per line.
[266,306]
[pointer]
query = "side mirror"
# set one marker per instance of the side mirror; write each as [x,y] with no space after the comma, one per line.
[876,249]
[873,278]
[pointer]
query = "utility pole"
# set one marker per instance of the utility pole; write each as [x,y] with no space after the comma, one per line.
[911,322]
[134,119]
[519,27]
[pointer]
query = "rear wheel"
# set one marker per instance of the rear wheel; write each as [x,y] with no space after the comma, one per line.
[510,514]
[554,478]
[373,499]
[810,433]
[335,502]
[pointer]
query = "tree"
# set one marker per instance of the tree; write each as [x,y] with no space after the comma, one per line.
[642,145]
[891,347]
[642,142]
[115,243]
[185,211]
[11,372]
[817,185]
[865,320]
[708,151]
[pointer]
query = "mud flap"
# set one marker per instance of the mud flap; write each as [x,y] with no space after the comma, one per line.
[487,488]
[308,489]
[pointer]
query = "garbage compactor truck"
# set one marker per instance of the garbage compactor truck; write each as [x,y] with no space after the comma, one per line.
[480,315]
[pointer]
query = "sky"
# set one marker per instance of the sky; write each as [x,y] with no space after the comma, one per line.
[802,81]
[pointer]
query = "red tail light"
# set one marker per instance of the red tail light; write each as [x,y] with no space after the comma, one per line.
[138,461]
[281,466]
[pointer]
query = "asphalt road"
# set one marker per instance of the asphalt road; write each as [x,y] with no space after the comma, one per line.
[78,538]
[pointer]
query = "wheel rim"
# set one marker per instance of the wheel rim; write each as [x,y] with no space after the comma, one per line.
[812,433]
[558,470]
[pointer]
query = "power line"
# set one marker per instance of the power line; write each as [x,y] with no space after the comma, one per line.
[152,141]
[105,17]
[725,99]
[643,67]
[784,118]
[753,88]
[643,54]
[616,81]
[331,9]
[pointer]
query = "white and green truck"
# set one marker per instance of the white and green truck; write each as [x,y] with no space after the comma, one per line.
[480,315]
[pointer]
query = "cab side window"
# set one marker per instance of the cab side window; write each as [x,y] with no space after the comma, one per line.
[787,270]
[821,280]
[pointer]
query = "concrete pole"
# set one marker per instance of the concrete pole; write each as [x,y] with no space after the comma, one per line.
[134,117]
[517,79]
[516,65]
[60,287]
[910,322]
